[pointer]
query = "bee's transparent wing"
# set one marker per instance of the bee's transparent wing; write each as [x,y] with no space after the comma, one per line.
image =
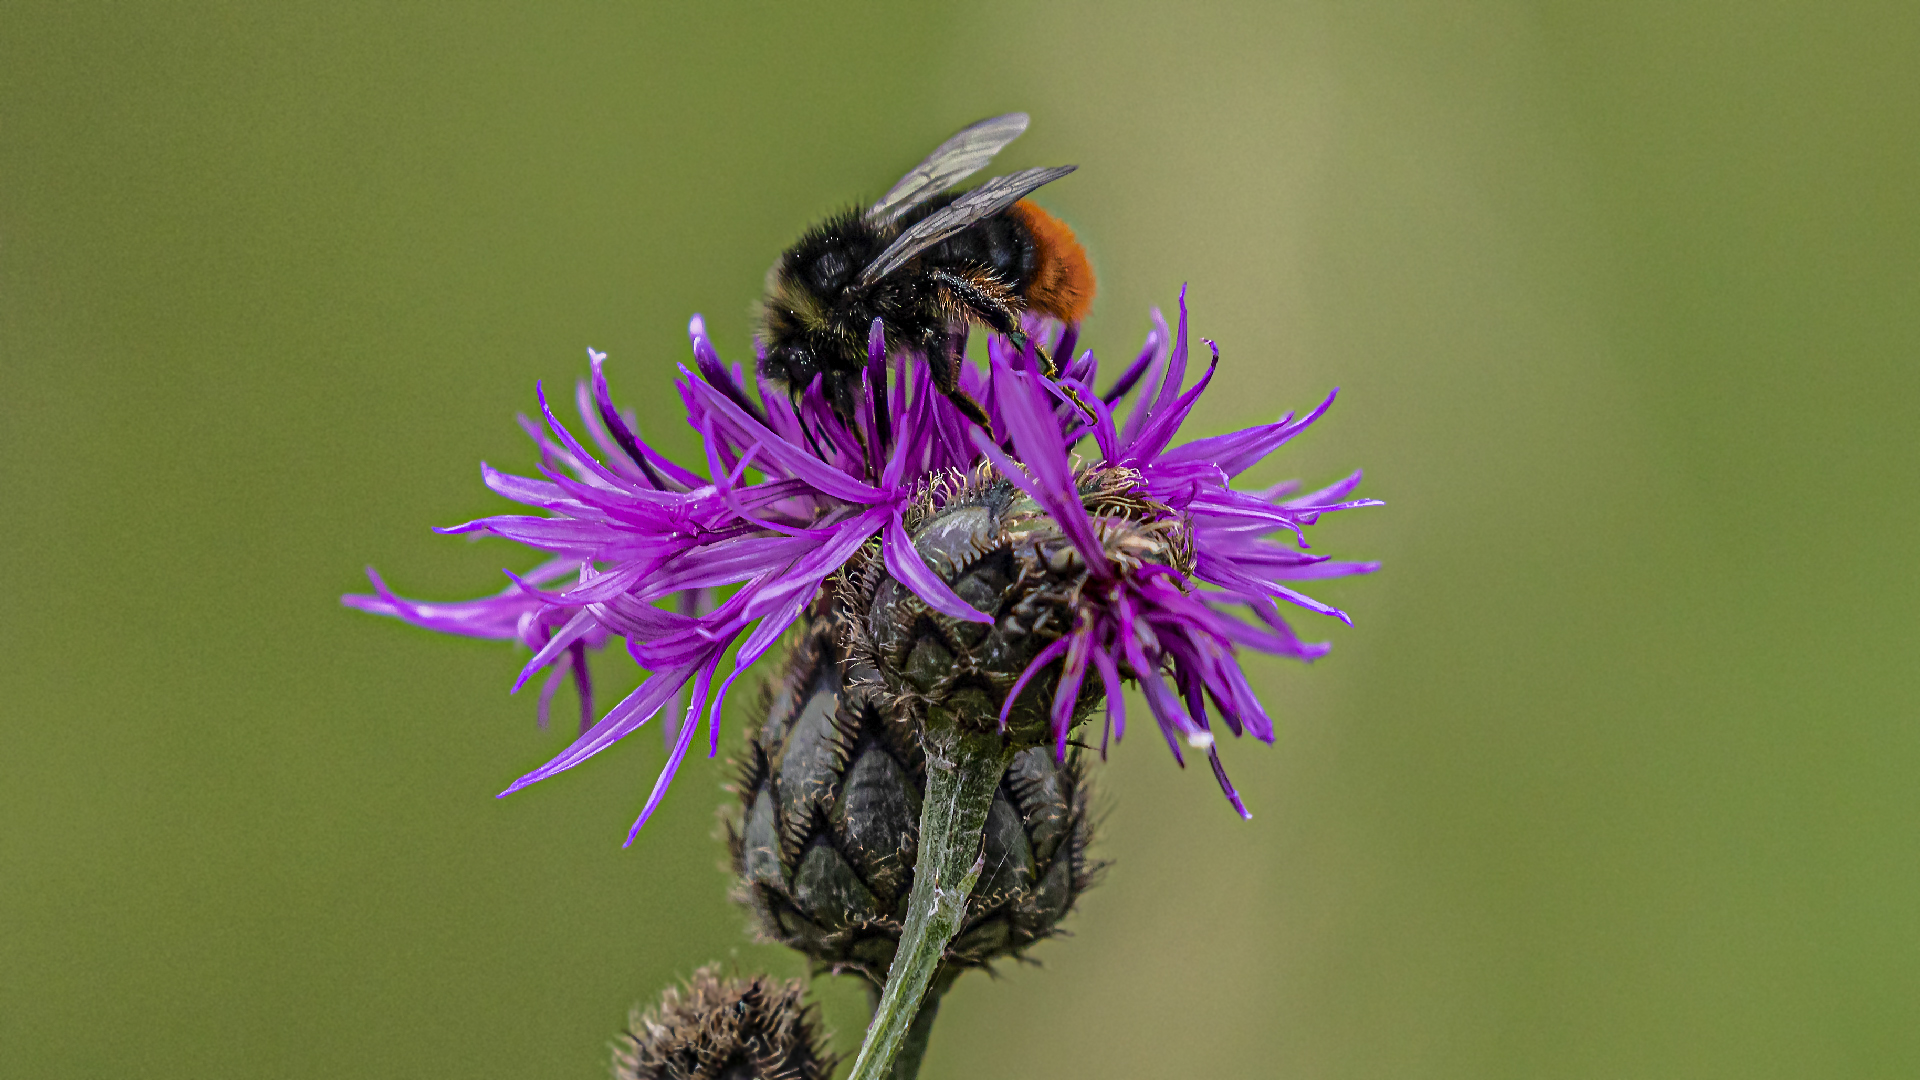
[975,206]
[951,162]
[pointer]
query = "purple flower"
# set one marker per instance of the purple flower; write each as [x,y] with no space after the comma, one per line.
[685,564]
[635,529]
[1146,621]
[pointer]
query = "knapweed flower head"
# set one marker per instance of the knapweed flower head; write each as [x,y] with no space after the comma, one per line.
[1135,567]
[686,564]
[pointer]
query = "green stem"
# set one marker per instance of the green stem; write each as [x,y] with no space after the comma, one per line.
[962,773]
[906,1066]
[914,1047]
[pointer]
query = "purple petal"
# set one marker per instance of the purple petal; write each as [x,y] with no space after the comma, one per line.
[713,712]
[1166,421]
[547,690]
[1186,675]
[615,424]
[797,462]
[1067,692]
[492,617]
[1225,573]
[1063,348]
[546,494]
[634,710]
[897,381]
[1252,713]
[1116,690]
[679,752]
[815,411]
[1278,642]
[1220,774]
[1236,452]
[1325,569]
[576,628]
[716,373]
[1330,494]
[582,683]
[781,419]
[1166,709]
[1176,362]
[1104,434]
[1037,437]
[771,626]
[590,466]
[1130,377]
[1047,656]
[905,450]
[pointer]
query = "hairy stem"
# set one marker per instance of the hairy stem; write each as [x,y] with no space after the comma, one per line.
[962,773]
[906,1065]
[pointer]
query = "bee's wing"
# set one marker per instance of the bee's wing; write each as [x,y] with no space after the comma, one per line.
[975,206]
[951,162]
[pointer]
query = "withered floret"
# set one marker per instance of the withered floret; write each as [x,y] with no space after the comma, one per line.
[724,1029]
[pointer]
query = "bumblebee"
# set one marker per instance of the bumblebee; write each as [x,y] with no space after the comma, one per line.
[928,264]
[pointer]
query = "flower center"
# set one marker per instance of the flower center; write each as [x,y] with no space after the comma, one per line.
[1003,554]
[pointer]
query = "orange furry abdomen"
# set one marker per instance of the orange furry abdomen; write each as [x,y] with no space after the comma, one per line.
[1062,284]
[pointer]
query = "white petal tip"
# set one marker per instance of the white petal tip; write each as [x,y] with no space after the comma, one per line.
[1200,740]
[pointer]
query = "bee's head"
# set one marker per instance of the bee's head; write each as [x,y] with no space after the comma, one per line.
[797,355]
[791,360]
[795,331]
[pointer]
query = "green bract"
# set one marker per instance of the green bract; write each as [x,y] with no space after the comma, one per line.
[828,833]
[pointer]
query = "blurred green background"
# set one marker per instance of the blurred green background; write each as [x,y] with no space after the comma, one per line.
[1616,776]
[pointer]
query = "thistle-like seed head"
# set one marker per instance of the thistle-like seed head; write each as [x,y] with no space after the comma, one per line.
[724,1029]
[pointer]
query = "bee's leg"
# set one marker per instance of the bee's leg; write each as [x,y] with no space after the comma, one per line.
[1051,369]
[841,397]
[985,298]
[943,360]
[970,409]
[795,396]
[806,431]
[982,296]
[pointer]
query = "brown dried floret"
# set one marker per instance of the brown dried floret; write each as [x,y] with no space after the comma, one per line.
[725,1029]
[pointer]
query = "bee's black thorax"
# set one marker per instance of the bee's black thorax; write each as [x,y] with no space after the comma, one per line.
[817,315]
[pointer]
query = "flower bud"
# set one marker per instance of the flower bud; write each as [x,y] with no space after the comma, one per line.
[827,839]
[724,1029]
[1003,554]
